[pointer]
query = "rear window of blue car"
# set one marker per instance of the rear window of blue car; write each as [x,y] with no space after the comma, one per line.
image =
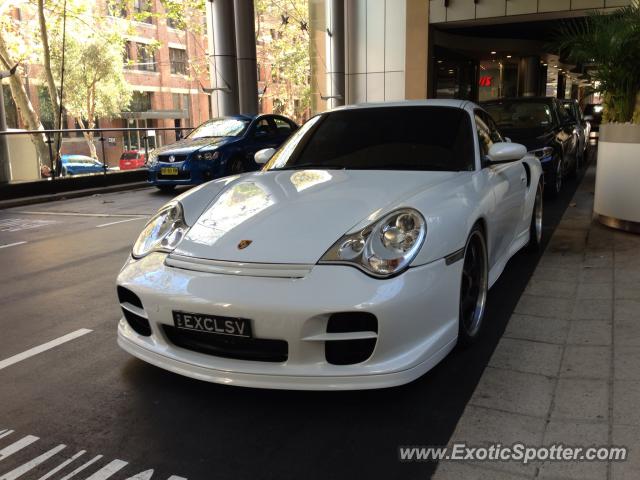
[383,138]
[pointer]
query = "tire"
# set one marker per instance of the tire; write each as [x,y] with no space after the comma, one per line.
[166,188]
[535,227]
[236,166]
[474,286]
[554,186]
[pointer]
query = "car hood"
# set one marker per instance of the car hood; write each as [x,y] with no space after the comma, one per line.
[187,145]
[532,138]
[295,216]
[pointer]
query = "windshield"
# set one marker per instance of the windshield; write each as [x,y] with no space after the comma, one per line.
[129,156]
[221,127]
[391,138]
[521,115]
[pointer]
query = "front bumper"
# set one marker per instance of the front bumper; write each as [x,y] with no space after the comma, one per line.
[417,315]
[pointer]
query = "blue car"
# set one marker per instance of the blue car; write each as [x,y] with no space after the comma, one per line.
[217,148]
[79,164]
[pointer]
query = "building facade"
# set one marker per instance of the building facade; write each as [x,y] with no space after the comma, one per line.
[166,67]
[469,49]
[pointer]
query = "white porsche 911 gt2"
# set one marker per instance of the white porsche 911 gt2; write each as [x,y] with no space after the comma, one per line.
[357,258]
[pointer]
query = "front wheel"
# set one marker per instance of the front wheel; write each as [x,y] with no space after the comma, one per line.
[473,288]
[554,185]
[535,227]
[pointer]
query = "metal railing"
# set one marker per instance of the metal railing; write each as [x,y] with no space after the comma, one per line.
[149,142]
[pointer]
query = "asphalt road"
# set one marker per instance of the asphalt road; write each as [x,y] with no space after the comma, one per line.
[147,423]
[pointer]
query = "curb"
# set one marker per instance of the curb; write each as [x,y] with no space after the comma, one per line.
[19,202]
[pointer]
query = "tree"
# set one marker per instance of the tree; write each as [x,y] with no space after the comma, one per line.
[610,44]
[283,43]
[17,45]
[95,84]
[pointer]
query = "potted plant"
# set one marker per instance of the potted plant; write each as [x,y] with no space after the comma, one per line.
[610,44]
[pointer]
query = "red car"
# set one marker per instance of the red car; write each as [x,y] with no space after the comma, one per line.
[131,159]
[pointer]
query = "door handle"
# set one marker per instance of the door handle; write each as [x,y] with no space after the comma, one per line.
[523,179]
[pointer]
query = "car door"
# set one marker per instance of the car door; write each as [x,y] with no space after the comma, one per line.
[508,182]
[262,134]
[284,129]
[567,135]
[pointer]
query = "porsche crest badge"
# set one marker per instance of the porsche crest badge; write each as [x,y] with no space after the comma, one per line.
[244,244]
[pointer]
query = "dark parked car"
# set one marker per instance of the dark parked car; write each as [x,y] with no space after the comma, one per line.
[544,126]
[573,108]
[218,147]
[593,115]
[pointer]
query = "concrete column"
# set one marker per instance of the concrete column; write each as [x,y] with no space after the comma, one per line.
[222,50]
[5,167]
[562,83]
[335,53]
[529,76]
[246,56]
[417,50]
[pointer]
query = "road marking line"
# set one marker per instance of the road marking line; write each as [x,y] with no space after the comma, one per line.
[146,475]
[82,467]
[42,348]
[62,465]
[74,214]
[12,244]
[19,445]
[108,470]
[6,433]
[22,469]
[120,221]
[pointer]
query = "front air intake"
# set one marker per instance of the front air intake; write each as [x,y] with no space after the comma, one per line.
[133,311]
[349,352]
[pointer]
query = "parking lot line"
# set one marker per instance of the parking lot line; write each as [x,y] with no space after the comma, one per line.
[62,465]
[120,221]
[82,467]
[44,347]
[108,470]
[16,446]
[22,469]
[12,244]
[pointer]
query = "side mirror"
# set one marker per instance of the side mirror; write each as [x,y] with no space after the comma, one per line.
[507,139]
[503,152]
[263,156]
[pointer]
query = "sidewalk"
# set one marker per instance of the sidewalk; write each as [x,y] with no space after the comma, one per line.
[567,369]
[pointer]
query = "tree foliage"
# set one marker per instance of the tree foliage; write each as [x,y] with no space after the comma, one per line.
[286,51]
[610,44]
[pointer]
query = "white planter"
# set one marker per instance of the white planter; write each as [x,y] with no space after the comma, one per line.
[617,196]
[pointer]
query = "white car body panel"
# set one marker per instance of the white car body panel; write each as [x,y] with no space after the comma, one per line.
[293,217]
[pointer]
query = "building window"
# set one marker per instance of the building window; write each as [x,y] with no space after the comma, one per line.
[274,74]
[140,102]
[117,9]
[259,72]
[180,101]
[146,58]
[178,61]
[127,55]
[278,106]
[142,10]
[174,23]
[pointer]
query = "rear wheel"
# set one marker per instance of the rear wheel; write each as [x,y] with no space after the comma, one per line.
[473,287]
[535,228]
[554,185]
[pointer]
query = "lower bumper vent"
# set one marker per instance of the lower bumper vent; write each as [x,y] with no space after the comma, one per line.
[349,352]
[226,346]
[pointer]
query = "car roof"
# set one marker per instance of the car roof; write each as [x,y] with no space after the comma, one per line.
[434,102]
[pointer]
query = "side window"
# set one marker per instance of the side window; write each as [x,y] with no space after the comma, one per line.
[263,129]
[563,114]
[282,127]
[493,129]
[484,135]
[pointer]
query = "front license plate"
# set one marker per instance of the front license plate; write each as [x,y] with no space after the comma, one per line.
[236,327]
[169,171]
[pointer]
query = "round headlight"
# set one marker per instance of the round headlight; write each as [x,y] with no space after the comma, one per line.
[382,249]
[162,233]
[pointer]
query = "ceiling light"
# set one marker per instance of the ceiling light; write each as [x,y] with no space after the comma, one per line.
[439,61]
[544,64]
[508,56]
[493,52]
